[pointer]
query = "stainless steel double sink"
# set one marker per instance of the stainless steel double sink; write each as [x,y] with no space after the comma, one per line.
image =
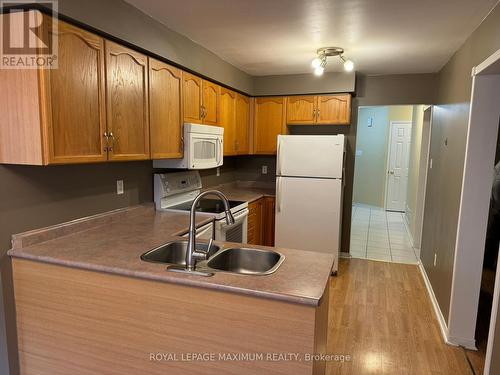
[238,260]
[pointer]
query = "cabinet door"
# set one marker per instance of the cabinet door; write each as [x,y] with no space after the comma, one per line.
[269,123]
[242,125]
[301,110]
[127,104]
[227,120]
[268,221]
[192,93]
[255,210]
[75,112]
[165,110]
[334,109]
[211,103]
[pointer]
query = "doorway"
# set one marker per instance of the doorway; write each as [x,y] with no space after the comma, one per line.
[390,146]
[397,165]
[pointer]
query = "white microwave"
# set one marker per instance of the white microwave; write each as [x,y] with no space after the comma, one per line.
[203,148]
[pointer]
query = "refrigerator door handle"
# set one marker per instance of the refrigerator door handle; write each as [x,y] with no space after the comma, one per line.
[278,194]
[278,169]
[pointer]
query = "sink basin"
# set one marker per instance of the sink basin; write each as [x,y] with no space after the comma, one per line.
[246,261]
[175,252]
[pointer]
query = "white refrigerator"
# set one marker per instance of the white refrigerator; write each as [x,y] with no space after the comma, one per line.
[309,193]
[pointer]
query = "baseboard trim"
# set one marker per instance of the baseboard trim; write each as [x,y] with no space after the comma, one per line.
[437,310]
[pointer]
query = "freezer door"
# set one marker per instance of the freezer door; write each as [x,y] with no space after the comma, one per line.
[308,214]
[310,156]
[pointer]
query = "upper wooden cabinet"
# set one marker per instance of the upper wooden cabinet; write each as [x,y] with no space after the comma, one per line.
[334,109]
[301,110]
[127,104]
[269,122]
[201,100]
[192,94]
[319,110]
[242,124]
[165,110]
[211,103]
[56,116]
[228,120]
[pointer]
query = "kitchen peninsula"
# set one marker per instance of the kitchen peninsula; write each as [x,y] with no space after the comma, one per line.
[86,302]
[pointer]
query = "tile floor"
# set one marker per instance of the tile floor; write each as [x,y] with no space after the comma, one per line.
[380,235]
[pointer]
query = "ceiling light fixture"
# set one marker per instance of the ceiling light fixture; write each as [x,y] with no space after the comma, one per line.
[319,62]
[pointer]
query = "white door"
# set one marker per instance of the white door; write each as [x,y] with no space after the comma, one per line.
[308,214]
[397,166]
[310,155]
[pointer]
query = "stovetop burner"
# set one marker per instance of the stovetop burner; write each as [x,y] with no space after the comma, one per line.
[212,206]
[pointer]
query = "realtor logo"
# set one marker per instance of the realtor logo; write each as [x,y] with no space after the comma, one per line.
[29,38]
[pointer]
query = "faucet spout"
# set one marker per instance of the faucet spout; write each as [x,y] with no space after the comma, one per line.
[192,256]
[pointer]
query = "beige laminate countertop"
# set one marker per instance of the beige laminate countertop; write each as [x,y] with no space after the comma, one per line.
[113,243]
[245,191]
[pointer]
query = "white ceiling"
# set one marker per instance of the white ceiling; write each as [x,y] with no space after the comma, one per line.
[266,37]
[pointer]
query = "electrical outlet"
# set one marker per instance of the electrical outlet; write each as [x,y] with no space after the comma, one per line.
[218,171]
[435,259]
[119,187]
[264,169]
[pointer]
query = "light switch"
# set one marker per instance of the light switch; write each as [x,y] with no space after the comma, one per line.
[264,169]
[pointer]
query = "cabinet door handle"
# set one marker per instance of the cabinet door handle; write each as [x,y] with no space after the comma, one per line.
[106,136]
[112,136]
[317,114]
[314,114]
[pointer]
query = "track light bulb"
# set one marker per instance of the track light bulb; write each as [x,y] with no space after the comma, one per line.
[316,62]
[348,66]
[319,71]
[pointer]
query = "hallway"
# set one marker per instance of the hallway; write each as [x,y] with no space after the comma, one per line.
[380,235]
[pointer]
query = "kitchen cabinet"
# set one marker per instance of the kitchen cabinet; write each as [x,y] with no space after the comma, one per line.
[127,104]
[201,100]
[211,103]
[165,110]
[242,124]
[269,122]
[228,120]
[255,211]
[301,110]
[235,118]
[56,116]
[334,109]
[192,97]
[319,110]
[268,221]
[261,221]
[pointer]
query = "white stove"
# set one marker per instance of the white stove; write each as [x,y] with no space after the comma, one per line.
[176,191]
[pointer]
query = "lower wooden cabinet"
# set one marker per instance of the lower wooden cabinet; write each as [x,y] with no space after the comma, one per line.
[261,222]
[268,221]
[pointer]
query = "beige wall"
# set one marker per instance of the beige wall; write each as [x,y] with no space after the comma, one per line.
[449,133]
[414,168]
[372,145]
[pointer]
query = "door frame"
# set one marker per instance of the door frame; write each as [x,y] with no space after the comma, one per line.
[388,150]
[477,180]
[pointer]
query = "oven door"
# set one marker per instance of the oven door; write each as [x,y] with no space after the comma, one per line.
[236,232]
[205,151]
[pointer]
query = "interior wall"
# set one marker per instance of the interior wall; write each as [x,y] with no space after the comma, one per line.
[414,168]
[372,146]
[35,197]
[371,156]
[305,84]
[449,134]
[122,20]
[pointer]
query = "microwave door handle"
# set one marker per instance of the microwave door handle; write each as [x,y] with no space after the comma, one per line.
[219,153]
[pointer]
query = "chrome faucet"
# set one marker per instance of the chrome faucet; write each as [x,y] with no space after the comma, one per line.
[192,255]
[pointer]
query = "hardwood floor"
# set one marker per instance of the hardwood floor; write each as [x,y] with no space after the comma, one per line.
[382,317]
